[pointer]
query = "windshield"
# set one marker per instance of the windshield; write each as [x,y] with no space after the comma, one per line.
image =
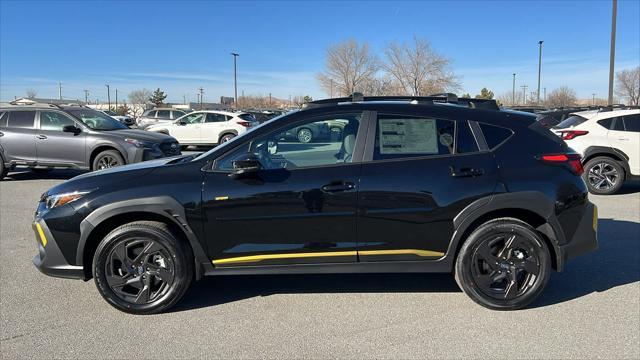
[96,120]
[571,121]
[110,113]
[239,138]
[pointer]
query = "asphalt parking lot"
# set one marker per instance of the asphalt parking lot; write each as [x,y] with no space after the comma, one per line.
[592,310]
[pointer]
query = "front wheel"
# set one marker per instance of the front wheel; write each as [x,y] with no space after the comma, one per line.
[603,175]
[107,159]
[142,268]
[503,265]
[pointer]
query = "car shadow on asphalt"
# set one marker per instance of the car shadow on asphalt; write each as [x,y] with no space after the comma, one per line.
[25,174]
[629,187]
[615,263]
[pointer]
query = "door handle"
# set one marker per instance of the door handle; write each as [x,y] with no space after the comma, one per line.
[41,137]
[338,186]
[466,172]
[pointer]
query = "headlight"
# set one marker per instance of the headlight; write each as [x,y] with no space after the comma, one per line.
[56,200]
[140,144]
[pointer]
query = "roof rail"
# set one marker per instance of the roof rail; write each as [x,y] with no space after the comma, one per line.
[447,98]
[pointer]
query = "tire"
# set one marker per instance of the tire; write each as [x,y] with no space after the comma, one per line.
[503,265]
[107,159]
[165,268]
[226,137]
[603,175]
[305,135]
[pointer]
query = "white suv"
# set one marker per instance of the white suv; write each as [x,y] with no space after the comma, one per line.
[609,141]
[207,127]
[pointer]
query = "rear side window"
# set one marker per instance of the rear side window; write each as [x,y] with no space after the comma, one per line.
[466,141]
[494,135]
[399,136]
[3,119]
[150,113]
[21,119]
[571,121]
[177,114]
[606,123]
[211,117]
[631,123]
[618,124]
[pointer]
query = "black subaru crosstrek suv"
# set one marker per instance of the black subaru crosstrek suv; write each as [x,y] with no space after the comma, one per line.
[412,184]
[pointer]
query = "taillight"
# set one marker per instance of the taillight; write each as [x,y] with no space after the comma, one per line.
[572,161]
[572,134]
[244,123]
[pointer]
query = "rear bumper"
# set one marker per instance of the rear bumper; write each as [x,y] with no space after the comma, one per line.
[585,238]
[49,259]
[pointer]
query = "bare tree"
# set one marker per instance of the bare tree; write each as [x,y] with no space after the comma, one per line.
[31,94]
[349,66]
[511,99]
[139,99]
[418,70]
[561,97]
[380,86]
[628,85]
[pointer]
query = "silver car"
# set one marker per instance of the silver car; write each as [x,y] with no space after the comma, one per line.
[158,116]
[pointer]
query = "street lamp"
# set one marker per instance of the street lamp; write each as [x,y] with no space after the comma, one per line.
[235,79]
[539,67]
[108,96]
[513,91]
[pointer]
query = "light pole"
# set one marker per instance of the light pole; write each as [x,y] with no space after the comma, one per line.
[593,97]
[612,56]
[235,80]
[86,96]
[524,94]
[539,69]
[513,91]
[108,96]
[331,91]
[116,99]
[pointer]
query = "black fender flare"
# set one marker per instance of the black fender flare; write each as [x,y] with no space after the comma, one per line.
[165,206]
[114,145]
[533,201]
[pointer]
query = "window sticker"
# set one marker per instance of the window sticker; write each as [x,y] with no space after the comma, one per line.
[408,136]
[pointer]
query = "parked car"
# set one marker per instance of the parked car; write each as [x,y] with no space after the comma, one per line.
[125,119]
[609,142]
[42,137]
[416,184]
[210,127]
[158,116]
[551,118]
[534,109]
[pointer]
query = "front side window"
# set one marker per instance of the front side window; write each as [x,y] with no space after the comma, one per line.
[301,145]
[192,118]
[177,114]
[50,120]
[21,119]
[632,123]
[399,136]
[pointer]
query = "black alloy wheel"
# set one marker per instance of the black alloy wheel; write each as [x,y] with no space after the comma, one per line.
[503,265]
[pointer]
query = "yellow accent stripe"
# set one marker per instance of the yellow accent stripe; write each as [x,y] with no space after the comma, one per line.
[424,253]
[218,198]
[258,258]
[595,218]
[43,238]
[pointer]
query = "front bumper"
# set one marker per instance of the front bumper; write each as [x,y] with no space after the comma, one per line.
[49,259]
[585,238]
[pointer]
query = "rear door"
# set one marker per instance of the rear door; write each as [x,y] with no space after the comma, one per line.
[17,136]
[419,173]
[212,128]
[625,135]
[56,147]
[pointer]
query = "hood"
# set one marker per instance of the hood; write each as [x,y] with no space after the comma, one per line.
[110,177]
[138,135]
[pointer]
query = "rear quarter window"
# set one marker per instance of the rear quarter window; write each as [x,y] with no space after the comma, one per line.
[247,117]
[495,135]
[606,123]
[466,142]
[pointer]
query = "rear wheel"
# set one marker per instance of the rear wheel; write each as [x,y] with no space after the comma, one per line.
[107,159]
[503,265]
[226,137]
[603,175]
[305,135]
[142,268]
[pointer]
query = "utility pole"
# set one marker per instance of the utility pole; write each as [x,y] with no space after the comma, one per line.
[524,94]
[331,89]
[59,90]
[539,69]
[513,93]
[201,90]
[289,101]
[612,56]
[116,99]
[545,94]
[235,79]
[269,99]
[86,96]
[108,96]
[184,99]
[593,97]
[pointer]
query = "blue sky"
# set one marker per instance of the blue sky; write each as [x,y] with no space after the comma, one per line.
[182,45]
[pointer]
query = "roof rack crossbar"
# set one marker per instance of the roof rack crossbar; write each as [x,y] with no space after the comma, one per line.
[431,99]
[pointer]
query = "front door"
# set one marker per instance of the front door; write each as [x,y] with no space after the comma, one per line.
[299,208]
[55,147]
[418,174]
[212,128]
[187,129]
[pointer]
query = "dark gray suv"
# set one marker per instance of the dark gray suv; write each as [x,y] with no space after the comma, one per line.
[45,136]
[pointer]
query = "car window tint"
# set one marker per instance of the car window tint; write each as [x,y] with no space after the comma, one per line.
[150,114]
[606,123]
[302,145]
[193,118]
[177,114]
[21,119]
[618,124]
[466,142]
[3,119]
[164,114]
[571,121]
[247,117]
[494,135]
[212,117]
[399,136]
[632,122]
[50,120]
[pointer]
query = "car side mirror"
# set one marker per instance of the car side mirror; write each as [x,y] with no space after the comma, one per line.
[71,129]
[246,166]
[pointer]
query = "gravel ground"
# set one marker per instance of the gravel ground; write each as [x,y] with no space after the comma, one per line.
[592,310]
